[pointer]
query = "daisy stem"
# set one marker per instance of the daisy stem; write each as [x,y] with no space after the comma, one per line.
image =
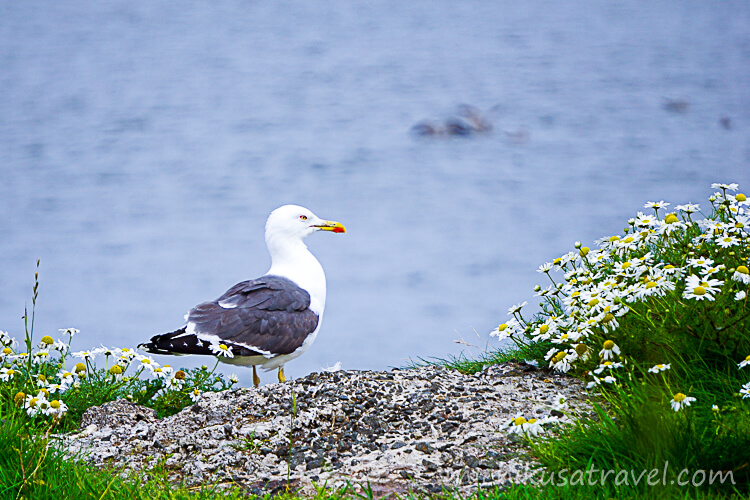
[550,278]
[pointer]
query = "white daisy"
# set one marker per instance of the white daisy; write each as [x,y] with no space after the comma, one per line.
[59,346]
[160,372]
[7,374]
[732,187]
[609,350]
[147,363]
[36,404]
[545,268]
[174,383]
[221,350]
[507,329]
[701,289]
[41,356]
[561,361]
[560,402]
[679,400]
[659,368]
[516,308]
[702,262]
[609,379]
[607,365]
[742,274]
[65,377]
[5,338]
[84,355]
[689,208]
[745,362]
[519,425]
[127,354]
[727,241]
[745,391]
[656,204]
[69,331]
[56,408]
[195,395]
[740,295]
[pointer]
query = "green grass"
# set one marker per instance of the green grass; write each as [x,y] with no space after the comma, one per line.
[470,364]
[32,467]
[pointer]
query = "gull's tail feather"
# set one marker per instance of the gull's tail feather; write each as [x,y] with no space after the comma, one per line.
[176,342]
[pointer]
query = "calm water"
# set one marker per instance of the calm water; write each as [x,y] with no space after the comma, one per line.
[142,145]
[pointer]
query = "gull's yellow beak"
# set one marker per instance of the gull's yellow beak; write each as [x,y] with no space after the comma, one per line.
[330,225]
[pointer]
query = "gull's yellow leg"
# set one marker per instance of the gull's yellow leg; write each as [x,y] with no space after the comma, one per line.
[256,378]
[282,377]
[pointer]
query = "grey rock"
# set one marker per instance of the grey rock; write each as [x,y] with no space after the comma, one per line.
[117,413]
[413,430]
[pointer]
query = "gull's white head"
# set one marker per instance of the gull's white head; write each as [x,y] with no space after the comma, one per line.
[292,222]
[286,227]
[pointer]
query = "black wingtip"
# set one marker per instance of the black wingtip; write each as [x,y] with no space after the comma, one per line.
[150,347]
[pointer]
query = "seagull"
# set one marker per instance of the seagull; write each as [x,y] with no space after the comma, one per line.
[267,321]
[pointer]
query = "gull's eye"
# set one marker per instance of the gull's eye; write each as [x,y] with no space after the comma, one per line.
[303,217]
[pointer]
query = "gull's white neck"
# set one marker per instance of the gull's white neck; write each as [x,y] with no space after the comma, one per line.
[291,259]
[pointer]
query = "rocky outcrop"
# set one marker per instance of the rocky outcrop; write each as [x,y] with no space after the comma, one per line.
[404,430]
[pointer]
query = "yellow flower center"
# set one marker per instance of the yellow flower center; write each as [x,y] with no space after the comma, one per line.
[543,329]
[532,420]
[582,349]
[19,397]
[55,404]
[679,397]
[559,357]
[608,345]
[47,340]
[583,252]
[607,363]
[629,239]
[626,265]
[115,370]
[740,197]
[7,351]
[179,375]
[614,238]
[80,367]
[650,284]
[671,219]
[743,270]
[502,327]
[33,402]
[669,266]
[223,347]
[593,302]
[519,421]
[699,290]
